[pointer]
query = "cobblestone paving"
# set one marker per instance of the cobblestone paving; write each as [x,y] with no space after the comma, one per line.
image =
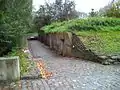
[76,74]
[69,73]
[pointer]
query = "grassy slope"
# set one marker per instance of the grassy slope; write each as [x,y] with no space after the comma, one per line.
[101,35]
[102,42]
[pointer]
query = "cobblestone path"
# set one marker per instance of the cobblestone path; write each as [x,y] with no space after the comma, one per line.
[76,74]
[70,73]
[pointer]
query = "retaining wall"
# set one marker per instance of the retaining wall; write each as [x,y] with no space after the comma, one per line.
[68,44]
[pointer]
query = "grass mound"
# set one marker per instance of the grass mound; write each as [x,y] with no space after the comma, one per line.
[84,25]
[101,35]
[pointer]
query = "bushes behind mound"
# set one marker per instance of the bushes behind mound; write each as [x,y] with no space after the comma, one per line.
[84,25]
[101,35]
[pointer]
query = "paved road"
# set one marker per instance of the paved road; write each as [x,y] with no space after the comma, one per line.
[75,74]
[68,73]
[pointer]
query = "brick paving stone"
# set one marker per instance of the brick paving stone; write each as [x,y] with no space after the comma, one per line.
[68,73]
[46,86]
[74,73]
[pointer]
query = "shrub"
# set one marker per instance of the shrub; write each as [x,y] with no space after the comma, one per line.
[24,62]
[84,24]
[15,21]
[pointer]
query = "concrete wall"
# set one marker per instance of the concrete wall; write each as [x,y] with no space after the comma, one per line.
[79,50]
[9,69]
[60,42]
[68,44]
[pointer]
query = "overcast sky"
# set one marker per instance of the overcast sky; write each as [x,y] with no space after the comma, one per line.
[81,5]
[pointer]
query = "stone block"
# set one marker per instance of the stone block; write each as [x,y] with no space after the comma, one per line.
[9,69]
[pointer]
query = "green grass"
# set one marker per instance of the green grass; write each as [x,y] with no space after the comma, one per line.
[101,42]
[95,24]
[24,62]
[101,35]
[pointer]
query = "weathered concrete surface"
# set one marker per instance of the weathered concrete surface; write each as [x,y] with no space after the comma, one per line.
[80,50]
[68,44]
[9,69]
[60,42]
